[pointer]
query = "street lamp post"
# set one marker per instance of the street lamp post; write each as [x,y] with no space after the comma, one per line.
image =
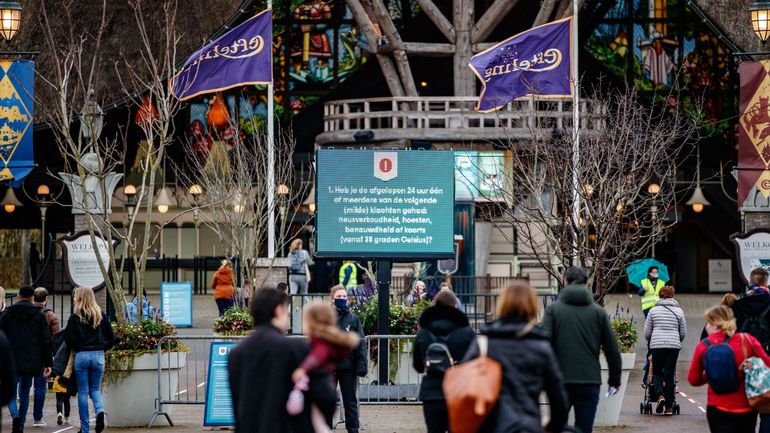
[195,193]
[654,189]
[43,201]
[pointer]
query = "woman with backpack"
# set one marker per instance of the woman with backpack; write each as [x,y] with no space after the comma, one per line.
[529,366]
[665,329]
[724,351]
[298,268]
[444,337]
[89,335]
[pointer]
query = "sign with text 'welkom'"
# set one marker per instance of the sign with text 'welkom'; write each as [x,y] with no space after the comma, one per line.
[752,250]
[385,204]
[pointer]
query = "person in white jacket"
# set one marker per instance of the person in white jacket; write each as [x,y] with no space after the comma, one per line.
[665,329]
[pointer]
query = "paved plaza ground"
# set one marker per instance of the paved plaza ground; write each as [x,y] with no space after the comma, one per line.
[408,418]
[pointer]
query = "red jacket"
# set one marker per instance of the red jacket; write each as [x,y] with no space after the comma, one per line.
[324,355]
[735,402]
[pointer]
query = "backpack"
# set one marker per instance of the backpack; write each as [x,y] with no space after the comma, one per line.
[297,266]
[720,366]
[438,359]
[757,327]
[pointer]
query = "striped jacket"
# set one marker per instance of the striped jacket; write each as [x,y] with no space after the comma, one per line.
[666,326]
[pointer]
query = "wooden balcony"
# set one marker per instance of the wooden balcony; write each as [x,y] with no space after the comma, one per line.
[448,119]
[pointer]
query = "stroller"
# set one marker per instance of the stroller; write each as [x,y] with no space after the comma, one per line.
[645,407]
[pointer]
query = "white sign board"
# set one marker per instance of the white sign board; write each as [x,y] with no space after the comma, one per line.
[720,275]
[752,250]
[80,260]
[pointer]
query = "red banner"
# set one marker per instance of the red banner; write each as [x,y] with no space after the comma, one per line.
[754,130]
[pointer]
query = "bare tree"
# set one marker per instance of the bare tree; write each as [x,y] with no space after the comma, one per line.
[91,160]
[629,146]
[233,183]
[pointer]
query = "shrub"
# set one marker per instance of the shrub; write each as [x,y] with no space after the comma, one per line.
[236,321]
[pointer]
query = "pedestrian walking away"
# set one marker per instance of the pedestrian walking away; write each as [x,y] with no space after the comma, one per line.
[443,339]
[7,375]
[579,331]
[265,361]
[40,300]
[224,291]
[354,366]
[299,271]
[529,366]
[752,316]
[28,333]
[665,329]
[717,362]
[88,334]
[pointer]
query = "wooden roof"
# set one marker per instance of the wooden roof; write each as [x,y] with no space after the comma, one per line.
[732,18]
[196,22]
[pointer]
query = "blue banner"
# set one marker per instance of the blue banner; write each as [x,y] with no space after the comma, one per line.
[176,306]
[218,410]
[17,87]
[535,62]
[242,56]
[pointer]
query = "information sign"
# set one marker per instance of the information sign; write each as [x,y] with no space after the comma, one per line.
[176,306]
[218,410]
[385,204]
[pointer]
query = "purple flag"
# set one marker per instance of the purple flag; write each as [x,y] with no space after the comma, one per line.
[239,57]
[534,62]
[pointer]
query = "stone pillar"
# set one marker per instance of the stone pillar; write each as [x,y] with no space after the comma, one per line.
[757,220]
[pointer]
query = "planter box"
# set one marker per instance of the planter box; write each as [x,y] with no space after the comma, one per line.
[608,412]
[132,400]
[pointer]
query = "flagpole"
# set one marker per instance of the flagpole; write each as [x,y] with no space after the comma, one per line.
[575,125]
[270,162]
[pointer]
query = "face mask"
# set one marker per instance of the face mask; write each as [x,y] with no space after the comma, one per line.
[341,304]
[654,276]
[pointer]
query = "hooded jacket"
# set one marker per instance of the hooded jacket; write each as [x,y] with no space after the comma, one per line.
[665,327]
[27,330]
[529,367]
[448,325]
[222,283]
[355,363]
[7,379]
[579,329]
[751,305]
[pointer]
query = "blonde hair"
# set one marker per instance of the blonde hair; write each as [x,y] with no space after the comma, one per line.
[2,298]
[728,299]
[86,307]
[336,289]
[320,320]
[722,318]
[517,301]
[296,244]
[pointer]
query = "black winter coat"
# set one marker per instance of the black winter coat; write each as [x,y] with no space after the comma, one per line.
[30,338]
[529,367]
[355,363]
[751,306]
[452,326]
[260,370]
[7,378]
[82,337]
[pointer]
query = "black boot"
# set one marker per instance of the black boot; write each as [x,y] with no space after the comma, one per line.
[99,422]
[16,426]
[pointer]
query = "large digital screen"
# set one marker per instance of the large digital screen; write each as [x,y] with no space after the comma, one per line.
[395,204]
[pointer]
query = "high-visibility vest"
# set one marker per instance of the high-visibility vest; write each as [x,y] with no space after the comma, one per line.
[353,281]
[650,296]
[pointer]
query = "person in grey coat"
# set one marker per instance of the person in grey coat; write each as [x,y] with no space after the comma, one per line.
[665,329]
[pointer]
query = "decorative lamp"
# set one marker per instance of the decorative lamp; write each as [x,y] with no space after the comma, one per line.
[760,19]
[10,18]
[164,200]
[10,202]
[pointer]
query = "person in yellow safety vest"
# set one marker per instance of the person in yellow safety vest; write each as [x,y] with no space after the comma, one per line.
[349,275]
[650,288]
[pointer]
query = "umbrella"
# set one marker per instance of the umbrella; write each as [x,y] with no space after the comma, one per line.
[637,271]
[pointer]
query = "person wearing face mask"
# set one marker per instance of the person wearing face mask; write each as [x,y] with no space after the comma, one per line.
[354,366]
[650,289]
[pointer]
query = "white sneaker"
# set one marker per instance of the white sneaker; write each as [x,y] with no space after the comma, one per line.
[66,420]
[39,423]
[59,418]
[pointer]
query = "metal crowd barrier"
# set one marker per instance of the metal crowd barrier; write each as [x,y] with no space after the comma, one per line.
[187,385]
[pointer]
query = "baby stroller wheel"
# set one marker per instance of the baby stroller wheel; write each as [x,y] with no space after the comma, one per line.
[649,408]
[675,409]
[641,408]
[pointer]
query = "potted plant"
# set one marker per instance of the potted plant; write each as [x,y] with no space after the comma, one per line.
[624,327]
[131,371]
[236,321]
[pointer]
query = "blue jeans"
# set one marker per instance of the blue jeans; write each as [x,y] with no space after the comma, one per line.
[584,398]
[23,384]
[89,367]
[41,386]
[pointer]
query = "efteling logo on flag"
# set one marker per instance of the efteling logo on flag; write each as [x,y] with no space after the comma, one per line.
[239,57]
[535,62]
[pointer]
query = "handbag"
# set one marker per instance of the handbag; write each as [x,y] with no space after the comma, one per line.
[757,381]
[472,389]
[307,269]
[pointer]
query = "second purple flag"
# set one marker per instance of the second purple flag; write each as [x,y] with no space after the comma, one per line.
[534,62]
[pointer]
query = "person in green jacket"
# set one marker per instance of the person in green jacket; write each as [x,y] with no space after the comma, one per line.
[578,330]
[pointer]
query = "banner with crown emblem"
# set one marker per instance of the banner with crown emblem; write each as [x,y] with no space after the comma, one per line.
[754,130]
[17,80]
